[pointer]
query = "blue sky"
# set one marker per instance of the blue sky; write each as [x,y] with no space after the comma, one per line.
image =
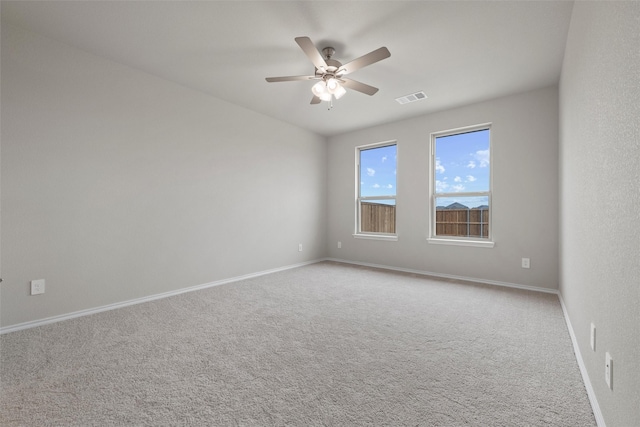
[462,166]
[378,171]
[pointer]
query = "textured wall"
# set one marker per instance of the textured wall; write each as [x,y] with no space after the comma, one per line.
[118,185]
[524,144]
[600,197]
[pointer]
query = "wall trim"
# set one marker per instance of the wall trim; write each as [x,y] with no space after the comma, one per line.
[595,407]
[449,276]
[583,370]
[95,310]
[90,311]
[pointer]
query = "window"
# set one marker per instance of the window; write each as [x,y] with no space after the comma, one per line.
[461,187]
[376,191]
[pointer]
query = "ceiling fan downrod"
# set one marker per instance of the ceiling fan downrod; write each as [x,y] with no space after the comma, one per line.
[328,52]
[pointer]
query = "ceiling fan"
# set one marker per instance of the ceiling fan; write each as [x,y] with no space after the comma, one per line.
[330,72]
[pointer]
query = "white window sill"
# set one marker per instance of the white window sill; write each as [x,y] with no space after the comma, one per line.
[459,242]
[388,237]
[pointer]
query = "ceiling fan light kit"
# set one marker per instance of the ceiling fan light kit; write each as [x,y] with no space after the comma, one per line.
[324,89]
[330,72]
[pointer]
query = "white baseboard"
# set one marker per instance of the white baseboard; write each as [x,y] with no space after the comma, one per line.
[585,376]
[90,311]
[449,276]
[87,312]
[583,369]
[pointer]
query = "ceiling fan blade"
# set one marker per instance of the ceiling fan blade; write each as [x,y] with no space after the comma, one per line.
[364,60]
[315,100]
[289,78]
[312,53]
[360,87]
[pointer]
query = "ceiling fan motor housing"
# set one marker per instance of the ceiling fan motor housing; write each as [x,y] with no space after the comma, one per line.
[333,66]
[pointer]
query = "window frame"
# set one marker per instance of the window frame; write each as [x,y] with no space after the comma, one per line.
[358,233]
[433,238]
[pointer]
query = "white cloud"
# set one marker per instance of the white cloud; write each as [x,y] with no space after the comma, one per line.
[371,172]
[471,178]
[441,186]
[388,186]
[376,186]
[384,158]
[457,179]
[471,164]
[439,167]
[483,157]
[458,188]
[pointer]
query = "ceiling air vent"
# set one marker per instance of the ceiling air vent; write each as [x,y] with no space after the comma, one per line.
[411,98]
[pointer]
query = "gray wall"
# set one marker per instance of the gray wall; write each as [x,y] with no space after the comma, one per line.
[525,198]
[118,185]
[600,197]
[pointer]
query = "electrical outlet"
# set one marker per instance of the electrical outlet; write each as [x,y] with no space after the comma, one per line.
[526,263]
[300,247]
[608,370]
[339,245]
[37,287]
[593,337]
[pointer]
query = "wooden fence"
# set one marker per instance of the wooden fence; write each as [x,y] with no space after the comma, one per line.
[381,218]
[462,222]
[377,218]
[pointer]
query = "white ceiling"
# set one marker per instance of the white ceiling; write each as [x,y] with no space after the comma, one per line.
[456,52]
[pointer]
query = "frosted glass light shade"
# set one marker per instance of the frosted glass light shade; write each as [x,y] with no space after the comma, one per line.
[332,85]
[319,89]
[325,96]
[339,92]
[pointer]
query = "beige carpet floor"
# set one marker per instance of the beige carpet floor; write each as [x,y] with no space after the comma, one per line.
[327,344]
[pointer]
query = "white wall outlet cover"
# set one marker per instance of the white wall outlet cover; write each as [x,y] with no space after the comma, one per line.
[37,287]
[300,247]
[593,337]
[608,372]
[526,263]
